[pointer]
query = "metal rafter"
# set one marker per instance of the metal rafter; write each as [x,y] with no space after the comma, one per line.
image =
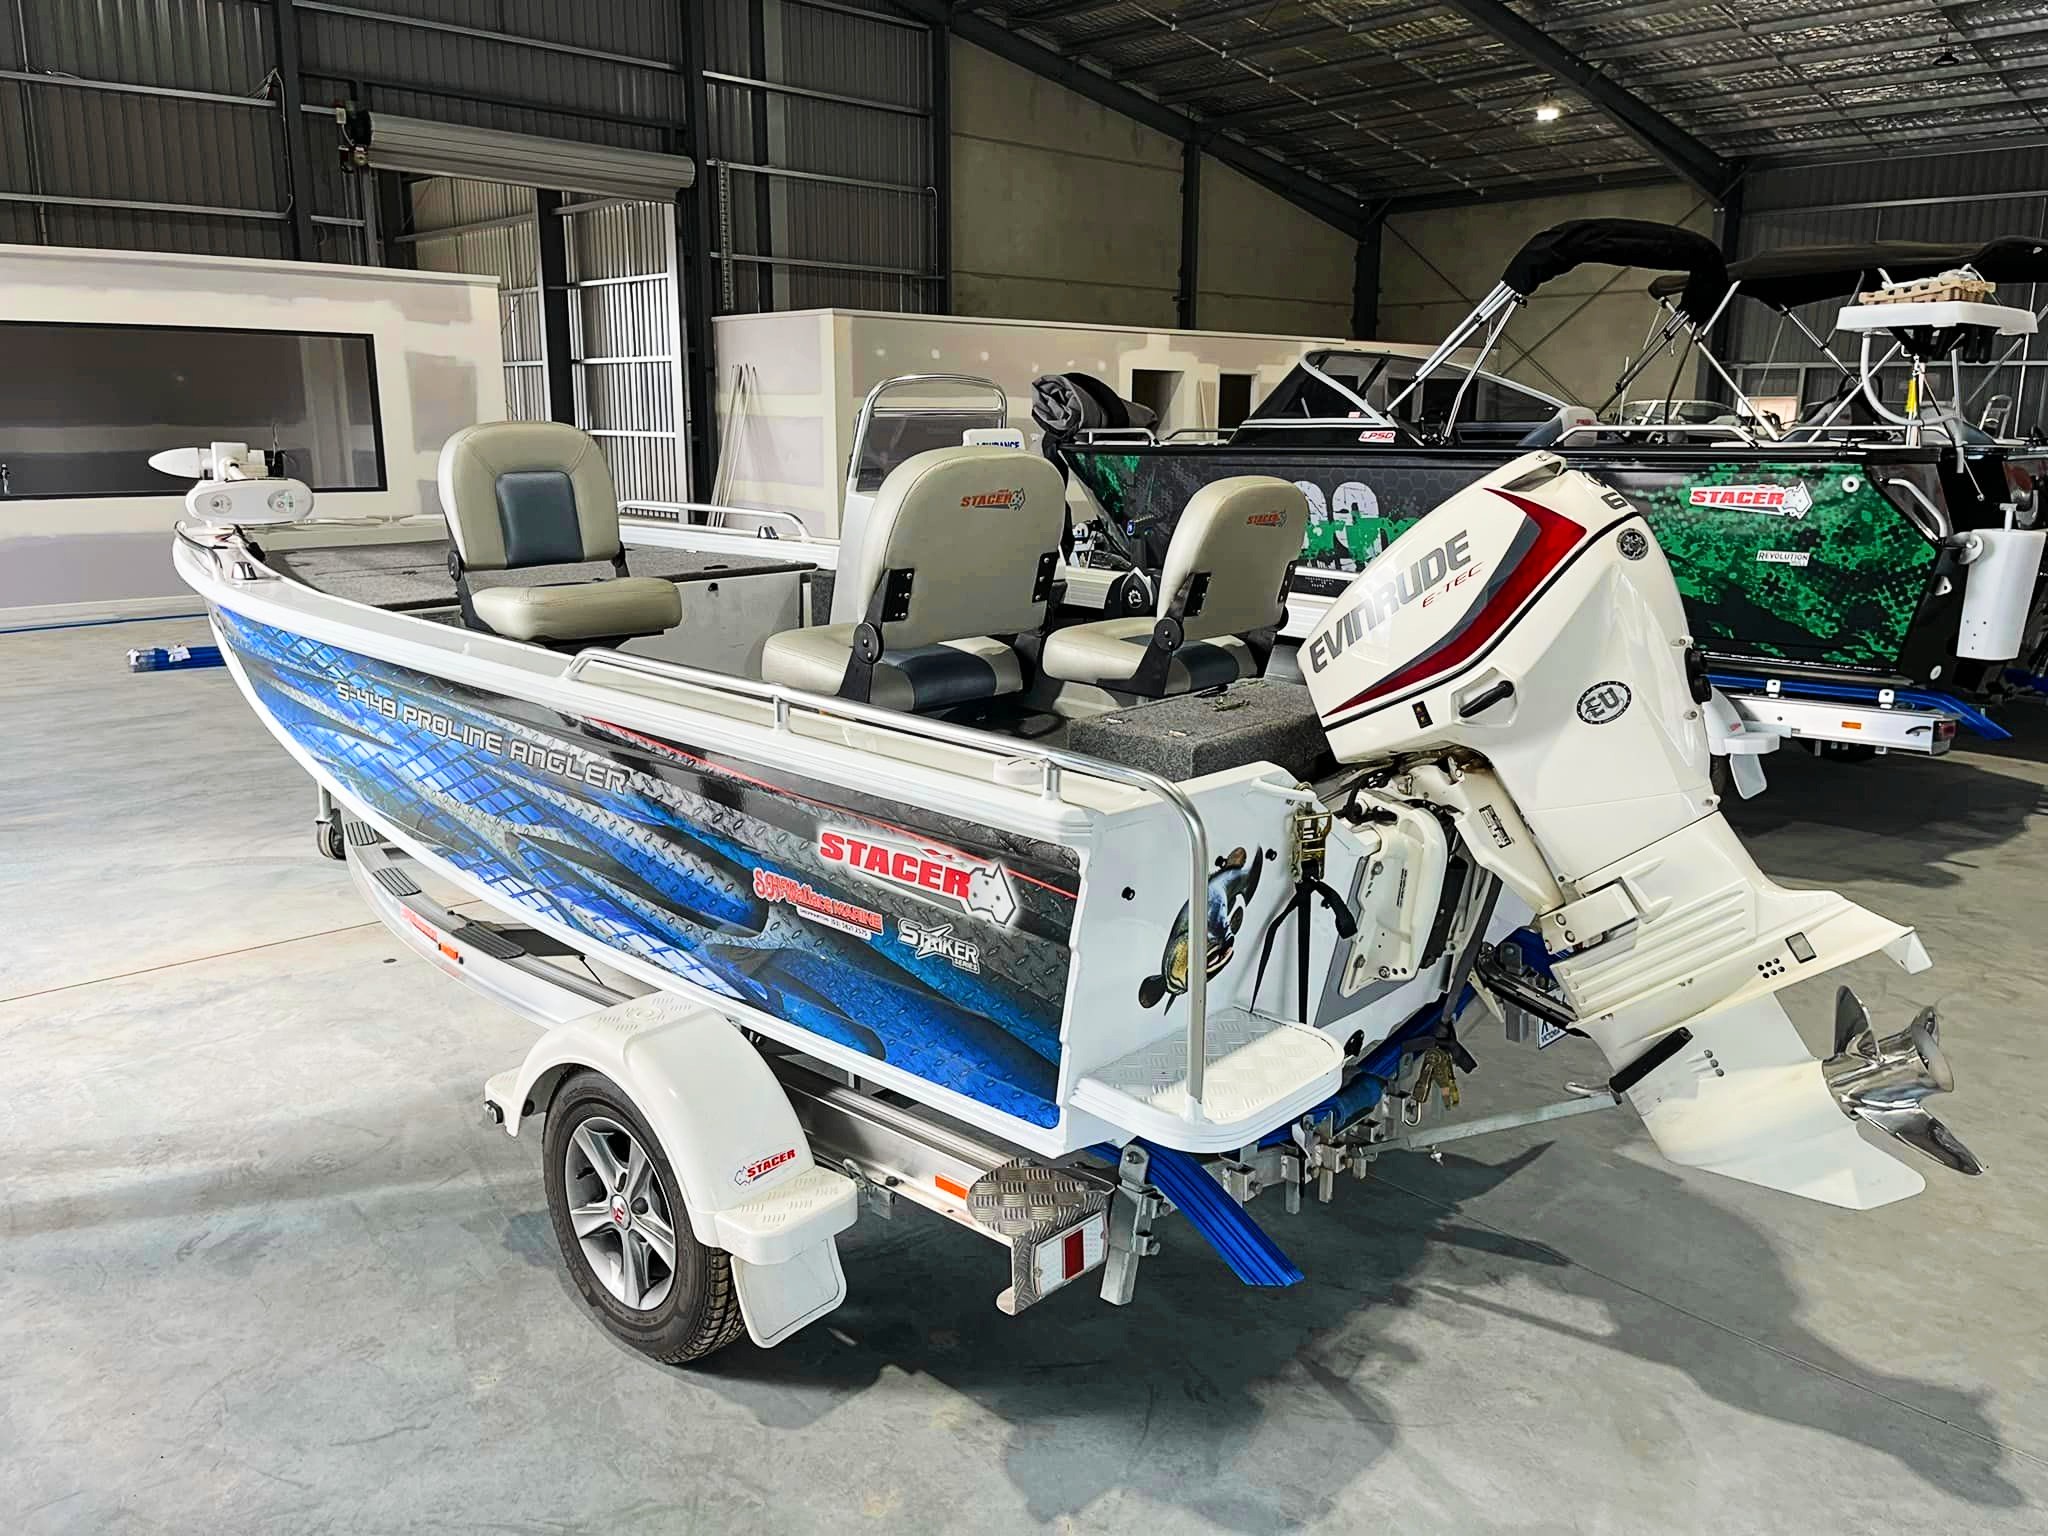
[1309,193]
[1670,143]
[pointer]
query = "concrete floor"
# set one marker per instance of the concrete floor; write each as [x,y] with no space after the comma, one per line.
[263,1268]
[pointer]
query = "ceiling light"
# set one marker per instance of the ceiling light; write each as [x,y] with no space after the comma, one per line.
[1948,58]
[1548,112]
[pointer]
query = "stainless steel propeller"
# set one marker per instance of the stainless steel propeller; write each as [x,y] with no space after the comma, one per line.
[1884,1081]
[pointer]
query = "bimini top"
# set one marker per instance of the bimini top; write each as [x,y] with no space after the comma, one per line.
[1694,262]
[1814,274]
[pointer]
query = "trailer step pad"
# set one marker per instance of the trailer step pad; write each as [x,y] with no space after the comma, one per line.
[1055,1222]
[796,1214]
[1243,1244]
[1261,1072]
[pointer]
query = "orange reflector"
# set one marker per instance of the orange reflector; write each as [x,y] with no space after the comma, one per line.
[452,953]
[1852,725]
[952,1187]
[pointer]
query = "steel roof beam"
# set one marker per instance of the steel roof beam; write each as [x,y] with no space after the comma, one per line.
[1178,22]
[1670,143]
[1408,90]
[1310,193]
[1777,26]
[1521,69]
[1523,187]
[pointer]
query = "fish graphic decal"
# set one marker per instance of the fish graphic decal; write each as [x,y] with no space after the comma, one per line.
[1231,889]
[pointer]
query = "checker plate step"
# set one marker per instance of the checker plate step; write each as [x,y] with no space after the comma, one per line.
[1027,1199]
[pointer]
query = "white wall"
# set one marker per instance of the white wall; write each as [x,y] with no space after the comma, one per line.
[437,369]
[1570,339]
[1066,211]
[812,368]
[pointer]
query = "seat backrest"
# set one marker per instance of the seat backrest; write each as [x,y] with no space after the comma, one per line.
[1241,533]
[974,526]
[519,493]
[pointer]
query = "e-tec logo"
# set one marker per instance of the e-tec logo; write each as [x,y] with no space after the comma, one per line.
[1007,501]
[1389,596]
[937,939]
[1793,501]
[938,874]
[763,1165]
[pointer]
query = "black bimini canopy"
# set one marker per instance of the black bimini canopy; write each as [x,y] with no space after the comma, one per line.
[1814,274]
[1699,272]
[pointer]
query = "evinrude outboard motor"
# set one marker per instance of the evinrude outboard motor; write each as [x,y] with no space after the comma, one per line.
[1518,662]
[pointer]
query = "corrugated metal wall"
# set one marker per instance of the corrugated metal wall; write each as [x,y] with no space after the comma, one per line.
[819,150]
[1965,199]
[625,337]
[818,122]
[488,227]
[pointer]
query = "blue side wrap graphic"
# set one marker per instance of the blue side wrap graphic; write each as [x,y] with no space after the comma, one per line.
[699,867]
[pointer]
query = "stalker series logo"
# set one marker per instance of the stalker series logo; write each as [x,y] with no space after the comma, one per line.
[942,875]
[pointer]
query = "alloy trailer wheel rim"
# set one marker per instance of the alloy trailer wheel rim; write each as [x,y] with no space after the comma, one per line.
[620,1213]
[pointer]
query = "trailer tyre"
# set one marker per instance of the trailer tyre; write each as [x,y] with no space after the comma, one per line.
[624,1234]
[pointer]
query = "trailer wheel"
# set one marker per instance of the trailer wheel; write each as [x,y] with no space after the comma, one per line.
[624,1234]
[327,837]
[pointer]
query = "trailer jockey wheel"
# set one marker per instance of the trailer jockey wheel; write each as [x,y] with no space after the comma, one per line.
[329,838]
[624,1234]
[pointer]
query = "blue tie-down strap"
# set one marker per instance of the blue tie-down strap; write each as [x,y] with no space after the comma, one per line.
[174,658]
[1968,715]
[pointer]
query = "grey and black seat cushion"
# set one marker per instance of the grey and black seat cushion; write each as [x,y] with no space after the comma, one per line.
[529,493]
[1108,654]
[942,675]
[956,557]
[1221,584]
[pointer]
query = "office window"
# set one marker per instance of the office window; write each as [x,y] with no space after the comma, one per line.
[82,407]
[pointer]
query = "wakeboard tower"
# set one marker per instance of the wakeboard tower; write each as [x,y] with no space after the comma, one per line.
[796,956]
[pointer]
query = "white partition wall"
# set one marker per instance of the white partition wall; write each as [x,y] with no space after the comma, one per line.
[362,372]
[790,385]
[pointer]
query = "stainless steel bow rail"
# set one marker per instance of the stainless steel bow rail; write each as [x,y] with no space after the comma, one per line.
[1050,763]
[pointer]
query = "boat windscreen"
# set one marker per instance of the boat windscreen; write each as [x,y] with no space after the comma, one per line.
[1624,243]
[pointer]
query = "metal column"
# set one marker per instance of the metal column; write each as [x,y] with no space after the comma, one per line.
[298,180]
[1365,276]
[696,278]
[1187,302]
[941,129]
[551,232]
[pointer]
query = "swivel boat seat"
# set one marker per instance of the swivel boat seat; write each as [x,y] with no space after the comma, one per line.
[1222,598]
[958,558]
[519,494]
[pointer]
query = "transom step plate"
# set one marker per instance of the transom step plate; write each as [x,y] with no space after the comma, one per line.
[1260,1074]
